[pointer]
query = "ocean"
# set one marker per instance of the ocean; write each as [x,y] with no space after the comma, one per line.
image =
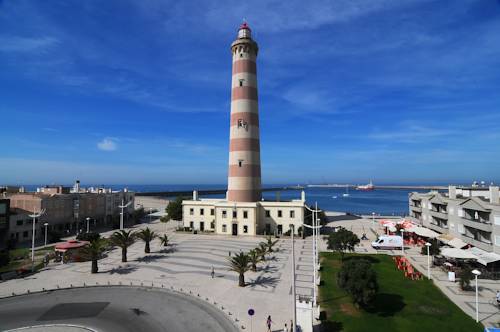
[380,201]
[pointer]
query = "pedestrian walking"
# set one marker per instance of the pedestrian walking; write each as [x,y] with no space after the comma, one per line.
[213,272]
[285,329]
[268,323]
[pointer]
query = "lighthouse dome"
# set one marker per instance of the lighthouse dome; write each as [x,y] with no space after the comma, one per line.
[244,31]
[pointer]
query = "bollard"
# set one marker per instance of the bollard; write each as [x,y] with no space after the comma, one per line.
[13,293]
[28,291]
[161,285]
[84,285]
[57,286]
[70,285]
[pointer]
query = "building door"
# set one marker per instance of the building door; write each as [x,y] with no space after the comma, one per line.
[280,229]
[202,226]
[235,229]
[268,229]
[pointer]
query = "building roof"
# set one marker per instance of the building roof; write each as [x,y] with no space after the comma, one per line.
[474,203]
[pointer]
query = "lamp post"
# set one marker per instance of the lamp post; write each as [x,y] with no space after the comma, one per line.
[46,224]
[314,264]
[428,245]
[476,274]
[150,216]
[293,281]
[34,216]
[403,244]
[373,219]
[123,206]
[88,224]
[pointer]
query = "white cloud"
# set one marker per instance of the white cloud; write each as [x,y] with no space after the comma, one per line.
[107,144]
[23,44]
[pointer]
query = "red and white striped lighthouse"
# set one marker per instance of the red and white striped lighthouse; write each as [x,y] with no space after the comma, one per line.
[244,183]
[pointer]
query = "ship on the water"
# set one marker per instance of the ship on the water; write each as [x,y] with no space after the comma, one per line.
[366,187]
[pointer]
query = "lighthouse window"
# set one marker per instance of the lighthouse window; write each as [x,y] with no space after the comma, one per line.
[241,55]
[241,82]
[240,163]
[242,124]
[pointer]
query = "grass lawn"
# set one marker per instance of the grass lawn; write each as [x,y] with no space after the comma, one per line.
[401,304]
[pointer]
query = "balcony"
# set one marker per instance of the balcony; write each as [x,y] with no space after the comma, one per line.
[486,227]
[416,208]
[476,243]
[443,228]
[439,214]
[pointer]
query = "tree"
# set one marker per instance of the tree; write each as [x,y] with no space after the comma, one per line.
[147,236]
[262,251]
[342,240]
[270,244]
[174,209]
[123,239]
[358,279]
[164,240]
[240,264]
[255,258]
[138,214]
[433,249]
[93,252]
[465,276]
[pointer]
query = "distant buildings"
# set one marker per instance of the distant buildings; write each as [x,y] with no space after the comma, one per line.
[243,212]
[464,215]
[66,209]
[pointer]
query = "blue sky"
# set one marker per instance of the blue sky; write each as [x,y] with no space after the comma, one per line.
[138,91]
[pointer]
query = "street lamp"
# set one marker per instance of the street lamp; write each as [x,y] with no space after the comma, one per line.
[373,219]
[293,280]
[428,245]
[476,274]
[34,216]
[46,224]
[88,224]
[150,216]
[314,264]
[123,206]
[403,244]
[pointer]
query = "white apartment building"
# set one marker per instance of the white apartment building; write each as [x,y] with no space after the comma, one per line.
[470,214]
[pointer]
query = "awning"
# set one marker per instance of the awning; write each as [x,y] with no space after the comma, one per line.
[457,243]
[406,224]
[457,253]
[445,238]
[392,229]
[422,231]
[484,257]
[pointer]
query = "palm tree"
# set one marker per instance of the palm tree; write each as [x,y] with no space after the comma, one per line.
[164,240]
[147,236]
[123,239]
[255,257]
[262,250]
[240,264]
[93,252]
[270,244]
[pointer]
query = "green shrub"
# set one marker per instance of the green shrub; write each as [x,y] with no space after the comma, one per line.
[4,258]
[465,277]
[88,236]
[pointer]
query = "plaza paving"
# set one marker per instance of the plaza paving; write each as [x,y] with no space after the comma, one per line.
[187,265]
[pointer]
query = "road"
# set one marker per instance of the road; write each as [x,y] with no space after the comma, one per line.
[110,309]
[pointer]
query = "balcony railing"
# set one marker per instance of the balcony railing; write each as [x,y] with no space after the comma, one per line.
[487,227]
[488,246]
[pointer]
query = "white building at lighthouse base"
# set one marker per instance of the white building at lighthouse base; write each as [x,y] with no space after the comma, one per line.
[221,216]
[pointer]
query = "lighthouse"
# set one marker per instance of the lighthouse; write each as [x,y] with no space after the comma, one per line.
[243,211]
[244,177]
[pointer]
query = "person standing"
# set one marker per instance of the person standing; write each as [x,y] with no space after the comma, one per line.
[285,329]
[213,272]
[268,323]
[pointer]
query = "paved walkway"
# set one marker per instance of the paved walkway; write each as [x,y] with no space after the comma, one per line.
[489,314]
[187,264]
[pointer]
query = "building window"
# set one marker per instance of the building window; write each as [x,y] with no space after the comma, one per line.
[202,212]
[212,225]
[25,234]
[224,214]
[280,213]
[268,214]
[19,223]
[191,224]
[191,211]
[292,214]
[224,228]
[235,214]
[212,212]
[245,214]
[245,229]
